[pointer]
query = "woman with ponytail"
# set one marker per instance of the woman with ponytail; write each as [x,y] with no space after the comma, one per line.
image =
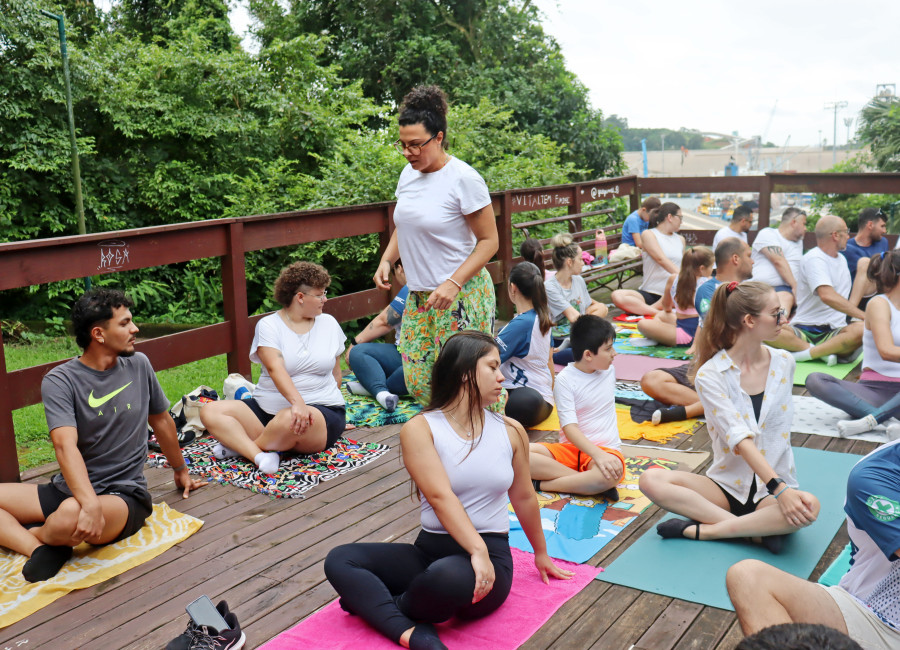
[679,328]
[525,349]
[876,397]
[532,251]
[567,292]
[750,489]
[445,232]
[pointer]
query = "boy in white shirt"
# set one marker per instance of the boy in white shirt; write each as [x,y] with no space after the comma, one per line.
[588,459]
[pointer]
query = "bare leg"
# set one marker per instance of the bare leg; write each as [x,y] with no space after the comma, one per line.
[19,505]
[59,528]
[661,328]
[787,340]
[786,298]
[763,595]
[232,423]
[664,388]
[597,309]
[277,436]
[847,341]
[556,477]
[632,302]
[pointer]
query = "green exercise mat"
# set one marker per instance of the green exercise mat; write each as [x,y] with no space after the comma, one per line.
[695,571]
[806,368]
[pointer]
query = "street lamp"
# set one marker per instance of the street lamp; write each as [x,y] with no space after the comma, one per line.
[848,121]
[76,165]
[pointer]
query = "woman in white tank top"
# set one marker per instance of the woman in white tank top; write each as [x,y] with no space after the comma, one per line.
[663,249]
[465,461]
[875,398]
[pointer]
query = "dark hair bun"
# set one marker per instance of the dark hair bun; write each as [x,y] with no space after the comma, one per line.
[426,98]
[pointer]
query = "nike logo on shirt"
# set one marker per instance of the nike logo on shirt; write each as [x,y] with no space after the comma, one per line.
[95,402]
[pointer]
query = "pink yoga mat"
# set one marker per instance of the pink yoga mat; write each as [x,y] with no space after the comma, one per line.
[632,367]
[531,603]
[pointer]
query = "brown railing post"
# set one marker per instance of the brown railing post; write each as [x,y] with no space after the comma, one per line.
[234,298]
[765,201]
[504,255]
[9,454]
[634,199]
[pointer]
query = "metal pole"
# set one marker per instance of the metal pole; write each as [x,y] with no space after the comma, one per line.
[76,165]
[836,106]
[644,150]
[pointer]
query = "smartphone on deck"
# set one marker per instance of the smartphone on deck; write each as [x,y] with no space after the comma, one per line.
[203,612]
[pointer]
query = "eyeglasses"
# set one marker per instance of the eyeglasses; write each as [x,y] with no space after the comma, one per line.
[414,149]
[779,316]
[321,296]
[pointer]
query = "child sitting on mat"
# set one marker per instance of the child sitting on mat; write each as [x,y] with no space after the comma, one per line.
[587,460]
[750,488]
[679,328]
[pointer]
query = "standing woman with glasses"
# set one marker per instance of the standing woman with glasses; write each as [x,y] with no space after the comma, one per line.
[751,488]
[297,405]
[445,233]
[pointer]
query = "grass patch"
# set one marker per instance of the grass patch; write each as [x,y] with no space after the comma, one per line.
[29,423]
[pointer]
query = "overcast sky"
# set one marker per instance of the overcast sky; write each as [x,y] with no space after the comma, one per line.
[722,66]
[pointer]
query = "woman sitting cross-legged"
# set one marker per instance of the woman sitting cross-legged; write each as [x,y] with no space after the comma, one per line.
[465,462]
[680,327]
[379,366]
[525,349]
[876,397]
[297,404]
[751,488]
[567,292]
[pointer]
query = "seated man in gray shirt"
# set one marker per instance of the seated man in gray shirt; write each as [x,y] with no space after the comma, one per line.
[97,407]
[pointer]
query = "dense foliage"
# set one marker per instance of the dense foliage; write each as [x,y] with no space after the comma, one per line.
[176,122]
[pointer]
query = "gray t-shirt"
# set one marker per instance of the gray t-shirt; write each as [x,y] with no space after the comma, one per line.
[109,410]
[560,299]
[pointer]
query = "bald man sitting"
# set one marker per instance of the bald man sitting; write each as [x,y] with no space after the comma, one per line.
[824,301]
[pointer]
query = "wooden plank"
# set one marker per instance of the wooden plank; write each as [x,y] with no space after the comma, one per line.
[573,610]
[731,638]
[707,629]
[604,612]
[633,621]
[669,628]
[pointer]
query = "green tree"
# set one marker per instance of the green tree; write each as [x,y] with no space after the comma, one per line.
[879,128]
[494,49]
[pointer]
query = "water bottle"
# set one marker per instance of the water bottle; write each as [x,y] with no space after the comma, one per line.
[242,393]
[601,254]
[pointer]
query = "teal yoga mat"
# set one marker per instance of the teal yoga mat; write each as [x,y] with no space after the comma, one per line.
[695,571]
[838,568]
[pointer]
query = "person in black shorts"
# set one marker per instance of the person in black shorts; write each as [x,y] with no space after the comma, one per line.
[97,406]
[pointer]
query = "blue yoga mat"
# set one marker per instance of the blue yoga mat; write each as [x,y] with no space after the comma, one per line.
[695,571]
[838,568]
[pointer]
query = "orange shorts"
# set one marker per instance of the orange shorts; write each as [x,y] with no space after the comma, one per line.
[572,457]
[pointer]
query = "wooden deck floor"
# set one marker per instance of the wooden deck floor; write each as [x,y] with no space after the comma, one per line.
[264,556]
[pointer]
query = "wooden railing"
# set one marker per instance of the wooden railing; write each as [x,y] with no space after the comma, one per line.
[24,264]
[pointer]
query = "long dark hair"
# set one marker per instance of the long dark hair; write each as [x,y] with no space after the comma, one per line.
[884,269]
[533,252]
[691,262]
[454,377]
[529,280]
[723,322]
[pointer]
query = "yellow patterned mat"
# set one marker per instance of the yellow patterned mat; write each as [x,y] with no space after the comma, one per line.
[90,565]
[631,430]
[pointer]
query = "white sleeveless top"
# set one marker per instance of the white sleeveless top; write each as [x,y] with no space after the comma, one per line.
[871,358]
[655,276]
[480,476]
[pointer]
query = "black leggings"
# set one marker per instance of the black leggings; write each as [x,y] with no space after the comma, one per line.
[394,586]
[527,406]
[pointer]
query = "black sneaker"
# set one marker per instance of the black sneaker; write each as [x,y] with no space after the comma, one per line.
[186,638]
[206,638]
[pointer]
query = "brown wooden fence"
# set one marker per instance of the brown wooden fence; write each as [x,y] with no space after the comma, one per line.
[24,264]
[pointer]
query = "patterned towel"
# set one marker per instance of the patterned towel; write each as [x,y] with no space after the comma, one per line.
[296,473]
[90,565]
[364,411]
[623,346]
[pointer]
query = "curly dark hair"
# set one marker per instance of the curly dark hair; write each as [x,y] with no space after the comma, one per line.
[93,308]
[425,105]
[299,274]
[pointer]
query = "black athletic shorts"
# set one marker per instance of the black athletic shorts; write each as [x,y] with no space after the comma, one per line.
[680,374]
[737,508]
[335,419]
[649,298]
[140,505]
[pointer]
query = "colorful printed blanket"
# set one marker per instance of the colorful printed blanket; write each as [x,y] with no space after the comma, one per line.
[296,474]
[364,411]
[625,344]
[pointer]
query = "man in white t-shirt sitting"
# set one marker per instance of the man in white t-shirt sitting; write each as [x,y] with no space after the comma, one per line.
[741,222]
[824,300]
[777,255]
[865,605]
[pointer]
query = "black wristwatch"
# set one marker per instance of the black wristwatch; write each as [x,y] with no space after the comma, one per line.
[772,486]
